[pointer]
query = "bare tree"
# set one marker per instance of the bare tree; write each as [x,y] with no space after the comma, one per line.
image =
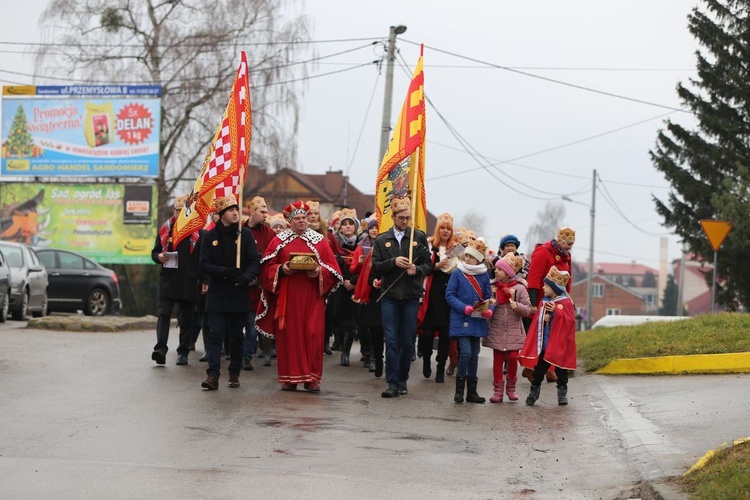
[191,48]
[548,222]
[474,221]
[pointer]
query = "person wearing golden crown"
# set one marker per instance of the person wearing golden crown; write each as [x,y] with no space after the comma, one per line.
[551,339]
[299,271]
[401,285]
[227,298]
[556,253]
[179,283]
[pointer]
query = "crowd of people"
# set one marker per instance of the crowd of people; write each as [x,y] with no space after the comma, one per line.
[298,288]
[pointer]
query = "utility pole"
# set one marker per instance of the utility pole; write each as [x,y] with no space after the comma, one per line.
[590,291]
[385,130]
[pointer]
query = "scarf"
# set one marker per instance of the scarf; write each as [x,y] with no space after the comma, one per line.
[505,291]
[558,248]
[472,269]
[165,236]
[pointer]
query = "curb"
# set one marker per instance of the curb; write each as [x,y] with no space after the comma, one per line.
[75,323]
[697,363]
[711,453]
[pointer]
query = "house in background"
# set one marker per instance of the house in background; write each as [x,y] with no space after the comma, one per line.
[696,294]
[612,298]
[331,189]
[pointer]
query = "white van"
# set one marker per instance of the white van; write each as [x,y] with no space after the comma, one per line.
[625,320]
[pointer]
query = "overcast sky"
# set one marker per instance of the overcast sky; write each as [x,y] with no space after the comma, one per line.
[638,50]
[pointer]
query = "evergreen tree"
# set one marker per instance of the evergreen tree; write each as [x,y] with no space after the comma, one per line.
[19,140]
[669,300]
[709,167]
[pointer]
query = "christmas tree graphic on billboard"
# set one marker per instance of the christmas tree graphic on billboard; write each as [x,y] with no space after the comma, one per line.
[19,142]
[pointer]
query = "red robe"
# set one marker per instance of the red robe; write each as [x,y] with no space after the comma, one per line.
[263,235]
[561,345]
[292,308]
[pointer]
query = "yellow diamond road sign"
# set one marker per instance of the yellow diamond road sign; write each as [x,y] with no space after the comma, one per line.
[716,231]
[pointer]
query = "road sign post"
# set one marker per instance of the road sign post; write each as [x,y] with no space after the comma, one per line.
[716,231]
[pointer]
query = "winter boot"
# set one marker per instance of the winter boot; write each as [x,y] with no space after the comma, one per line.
[497,397]
[460,386]
[511,390]
[471,392]
[562,395]
[533,394]
[378,366]
[440,373]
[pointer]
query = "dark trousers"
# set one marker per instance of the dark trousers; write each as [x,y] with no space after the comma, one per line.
[425,344]
[375,334]
[185,319]
[220,324]
[400,331]
[251,336]
[541,369]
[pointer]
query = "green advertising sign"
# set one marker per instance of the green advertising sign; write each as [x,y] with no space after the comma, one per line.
[108,223]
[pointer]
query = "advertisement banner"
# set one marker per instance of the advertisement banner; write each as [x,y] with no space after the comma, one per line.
[92,137]
[108,223]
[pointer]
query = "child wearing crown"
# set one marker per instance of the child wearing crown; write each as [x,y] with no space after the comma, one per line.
[468,295]
[506,331]
[551,339]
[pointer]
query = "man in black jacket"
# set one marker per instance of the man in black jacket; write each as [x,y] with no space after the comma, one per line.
[178,284]
[227,300]
[401,285]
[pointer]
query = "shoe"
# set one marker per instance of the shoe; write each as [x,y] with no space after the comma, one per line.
[234,381]
[288,387]
[440,373]
[344,359]
[182,359]
[210,383]
[371,367]
[159,357]
[460,388]
[227,357]
[378,368]
[533,394]
[203,358]
[260,353]
[471,391]
[336,346]
[426,367]
[367,362]
[247,364]
[403,391]
[327,349]
[497,396]
[562,395]
[511,390]
[312,387]
[391,392]
[267,361]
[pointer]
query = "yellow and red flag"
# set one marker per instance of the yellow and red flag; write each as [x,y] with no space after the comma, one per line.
[402,170]
[225,167]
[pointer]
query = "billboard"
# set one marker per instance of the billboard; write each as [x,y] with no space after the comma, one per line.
[108,223]
[88,134]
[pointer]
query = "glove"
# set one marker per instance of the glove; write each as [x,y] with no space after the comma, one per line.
[232,272]
[487,314]
[240,281]
[468,310]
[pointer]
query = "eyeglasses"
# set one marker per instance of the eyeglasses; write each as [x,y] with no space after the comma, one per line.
[403,217]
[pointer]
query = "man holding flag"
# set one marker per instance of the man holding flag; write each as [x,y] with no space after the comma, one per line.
[400,255]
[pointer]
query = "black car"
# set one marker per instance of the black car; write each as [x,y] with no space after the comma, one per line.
[78,283]
[28,281]
[4,289]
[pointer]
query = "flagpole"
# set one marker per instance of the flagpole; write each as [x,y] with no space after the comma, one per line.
[239,205]
[414,168]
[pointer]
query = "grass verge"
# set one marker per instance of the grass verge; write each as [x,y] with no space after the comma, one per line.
[725,476]
[708,334]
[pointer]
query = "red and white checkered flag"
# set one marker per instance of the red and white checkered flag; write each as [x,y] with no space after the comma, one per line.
[225,165]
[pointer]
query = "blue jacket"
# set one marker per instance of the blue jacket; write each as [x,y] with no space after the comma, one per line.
[459,294]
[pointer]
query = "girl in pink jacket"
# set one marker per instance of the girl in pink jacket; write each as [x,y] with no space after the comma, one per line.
[506,331]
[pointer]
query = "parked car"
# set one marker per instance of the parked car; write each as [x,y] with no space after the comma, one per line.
[625,320]
[28,278]
[4,289]
[78,283]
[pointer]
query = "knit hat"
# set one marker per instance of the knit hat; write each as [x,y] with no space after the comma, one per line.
[509,238]
[277,220]
[557,280]
[476,249]
[224,203]
[372,222]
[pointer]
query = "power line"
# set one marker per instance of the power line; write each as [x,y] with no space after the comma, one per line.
[611,201]
[202,45]
[551,80]
[364,122]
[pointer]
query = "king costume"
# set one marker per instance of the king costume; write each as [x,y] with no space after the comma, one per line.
[292,307]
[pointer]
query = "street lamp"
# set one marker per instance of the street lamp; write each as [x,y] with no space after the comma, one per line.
[590,283]
[385,130]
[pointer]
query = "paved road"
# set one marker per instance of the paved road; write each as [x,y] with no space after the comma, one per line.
[89,415]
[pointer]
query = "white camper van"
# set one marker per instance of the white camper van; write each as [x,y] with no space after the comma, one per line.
[626,320]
